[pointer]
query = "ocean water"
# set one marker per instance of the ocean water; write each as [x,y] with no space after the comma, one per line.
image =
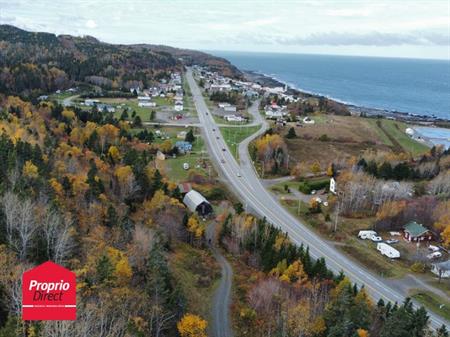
[406,85]
[435,135]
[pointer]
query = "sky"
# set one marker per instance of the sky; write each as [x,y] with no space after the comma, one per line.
[389,28]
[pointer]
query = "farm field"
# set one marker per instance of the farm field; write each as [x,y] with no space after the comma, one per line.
[344,137]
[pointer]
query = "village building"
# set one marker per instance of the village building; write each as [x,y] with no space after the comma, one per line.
[183,146]
[441,269]
[197,203]
[333,188]
[160,155]
[415,232]
[230,108]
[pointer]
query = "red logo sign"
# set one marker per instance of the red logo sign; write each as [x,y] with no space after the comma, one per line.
[49,293]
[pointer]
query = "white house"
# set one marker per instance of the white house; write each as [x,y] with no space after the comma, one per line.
[178,106]
[233,118]
[91,102]
[147,104]
[144,98]
[441,269]
[230,108]
[333,185]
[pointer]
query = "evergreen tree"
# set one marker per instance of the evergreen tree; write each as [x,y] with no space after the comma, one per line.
[190,136]
[291,133]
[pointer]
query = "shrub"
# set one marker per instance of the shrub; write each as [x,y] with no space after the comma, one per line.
[324,138]
[418,267]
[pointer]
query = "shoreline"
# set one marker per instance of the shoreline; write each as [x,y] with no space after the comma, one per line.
[422,120]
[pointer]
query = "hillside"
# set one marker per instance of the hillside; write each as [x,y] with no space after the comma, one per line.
[32,63]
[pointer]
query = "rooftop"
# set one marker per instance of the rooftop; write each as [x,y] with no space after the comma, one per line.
[415,229]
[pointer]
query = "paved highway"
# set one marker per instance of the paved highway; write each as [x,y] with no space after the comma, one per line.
[245,182]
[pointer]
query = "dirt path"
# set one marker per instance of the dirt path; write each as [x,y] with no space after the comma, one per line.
[221,325]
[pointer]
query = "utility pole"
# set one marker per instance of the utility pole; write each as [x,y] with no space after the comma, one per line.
[338,209]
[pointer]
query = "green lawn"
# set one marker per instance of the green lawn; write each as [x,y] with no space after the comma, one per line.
[431,301]
[234,135]
[397,130]
[381,135]
[175,169]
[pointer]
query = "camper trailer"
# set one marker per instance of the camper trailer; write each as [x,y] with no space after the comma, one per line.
[371,235]
[388,251]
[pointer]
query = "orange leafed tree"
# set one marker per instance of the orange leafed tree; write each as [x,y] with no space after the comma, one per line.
[192,326]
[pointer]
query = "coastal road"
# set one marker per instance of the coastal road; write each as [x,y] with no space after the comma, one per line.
[245,182]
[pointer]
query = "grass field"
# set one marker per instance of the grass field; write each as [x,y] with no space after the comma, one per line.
[438,305]
[397,131]
[233,136]
[348,137]
[197,274]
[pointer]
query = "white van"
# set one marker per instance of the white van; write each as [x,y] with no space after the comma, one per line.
[186,166]
[388,251]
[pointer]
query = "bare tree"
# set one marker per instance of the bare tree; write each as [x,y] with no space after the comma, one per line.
[58,233]
[20,223]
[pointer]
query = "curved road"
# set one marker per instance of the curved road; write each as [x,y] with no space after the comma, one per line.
[245,182]
[221,325]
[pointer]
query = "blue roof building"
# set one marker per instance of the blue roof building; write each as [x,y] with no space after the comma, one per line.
[183,146]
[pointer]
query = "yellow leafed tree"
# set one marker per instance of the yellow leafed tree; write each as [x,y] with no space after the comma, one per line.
[192,326]
[30,170]
[114,153]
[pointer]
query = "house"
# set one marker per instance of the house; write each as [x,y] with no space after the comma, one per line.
[413,231]
[108,108]
[441,269]
[160,155]
[146,104]
[234,118]
[178,106]
[230,108]
[197,203]
[333,185]
[181,135]
[274,111]
[144,98]
[183,146]
[91,102]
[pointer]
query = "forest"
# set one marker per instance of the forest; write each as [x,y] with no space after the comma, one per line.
[34,64]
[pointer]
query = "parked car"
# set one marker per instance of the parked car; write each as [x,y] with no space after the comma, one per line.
[239,175]
[434,255]
[186,166]
[433,248]
[223,149]
[391,241]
